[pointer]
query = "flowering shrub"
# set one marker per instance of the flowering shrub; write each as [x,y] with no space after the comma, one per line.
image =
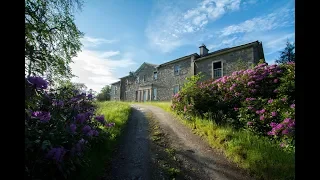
[60,126]
[260,99]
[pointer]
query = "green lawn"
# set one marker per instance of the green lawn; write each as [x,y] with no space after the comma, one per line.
[100,155]
[259,155]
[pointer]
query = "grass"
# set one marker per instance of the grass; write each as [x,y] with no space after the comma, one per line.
[260,156]
[100,155]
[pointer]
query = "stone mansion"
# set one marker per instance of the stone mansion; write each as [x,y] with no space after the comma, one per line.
[151,82]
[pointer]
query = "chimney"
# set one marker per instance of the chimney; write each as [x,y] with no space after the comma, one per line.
[203,50]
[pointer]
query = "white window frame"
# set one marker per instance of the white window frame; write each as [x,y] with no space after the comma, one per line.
[177,85]
[212,70]
[155,77]
[155,96]
[138,80]
[174,70]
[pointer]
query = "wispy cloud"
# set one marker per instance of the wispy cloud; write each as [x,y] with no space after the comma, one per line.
[263,23]
[99,68]
[173,27]
[94,42]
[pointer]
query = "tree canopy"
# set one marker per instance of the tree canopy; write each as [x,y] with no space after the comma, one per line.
[104,94]
[288,54]
[51,37]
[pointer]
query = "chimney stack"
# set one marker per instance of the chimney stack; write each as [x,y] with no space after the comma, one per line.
[203,50]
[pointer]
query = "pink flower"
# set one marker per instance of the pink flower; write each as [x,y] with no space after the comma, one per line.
[270,101]
[275,80]
[273,114]
[262,117]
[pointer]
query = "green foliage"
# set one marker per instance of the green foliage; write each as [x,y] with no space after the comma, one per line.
[60,127]
[259,99]
[104,94]
[51,37]
[288,54]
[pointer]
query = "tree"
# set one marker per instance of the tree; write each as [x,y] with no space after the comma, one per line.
[51,37]
[104,94]
[288,54]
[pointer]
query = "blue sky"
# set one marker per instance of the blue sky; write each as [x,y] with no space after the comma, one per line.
[122,34]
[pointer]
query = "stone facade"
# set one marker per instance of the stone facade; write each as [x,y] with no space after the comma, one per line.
[143,85]
[115,91]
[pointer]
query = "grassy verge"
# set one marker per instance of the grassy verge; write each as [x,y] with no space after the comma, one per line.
[260,156]
[100,155]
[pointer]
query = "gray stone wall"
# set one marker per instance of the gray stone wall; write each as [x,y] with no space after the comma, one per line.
[167,80]
[115,96]
[129,89]
[228,59]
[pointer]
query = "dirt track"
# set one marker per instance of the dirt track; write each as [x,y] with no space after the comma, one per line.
[133,159]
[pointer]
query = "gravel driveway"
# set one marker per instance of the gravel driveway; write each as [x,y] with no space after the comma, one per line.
[132,161]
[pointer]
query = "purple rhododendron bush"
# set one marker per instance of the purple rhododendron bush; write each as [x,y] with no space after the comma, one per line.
[60,127]
[260,99]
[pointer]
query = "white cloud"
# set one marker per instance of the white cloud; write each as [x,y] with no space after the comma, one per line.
[96,69]
[172,27]
[94,42]
[267,22]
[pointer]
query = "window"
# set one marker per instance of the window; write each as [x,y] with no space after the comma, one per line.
[154,93]
[217,70]
[176,70]
[127,82]
[144,78]
[138,81]
[175,89]
[115,90]
[155,75]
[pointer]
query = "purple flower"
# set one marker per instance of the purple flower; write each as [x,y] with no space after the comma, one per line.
[273,124]
[86,129]
[38,82]
[273,114]
[284,99]
[90,133]
[73,128]
[42,115]
[56,154]
[275,80]
[262,117]
[285,132]
[253,90]
[58,103]
[275,91]
[95,133]
[236,109]
[249,123]
[292,106]
[79,147]
[90,96]
[270,101]
[271,133]
[250,83]
[81,118]
[100,119]
[110,124]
